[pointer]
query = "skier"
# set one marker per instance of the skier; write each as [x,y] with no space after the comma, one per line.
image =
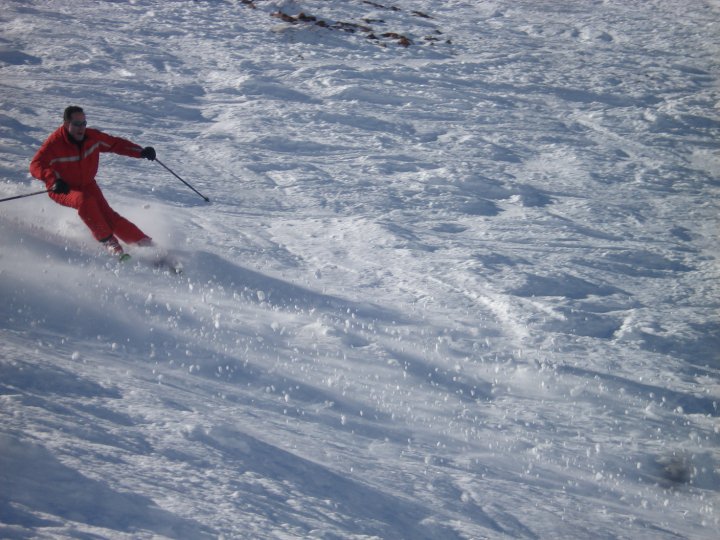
[68,161]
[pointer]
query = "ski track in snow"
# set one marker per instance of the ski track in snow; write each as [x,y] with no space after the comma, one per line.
[466,288]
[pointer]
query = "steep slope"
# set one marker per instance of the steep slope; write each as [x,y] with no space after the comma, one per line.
[459,286]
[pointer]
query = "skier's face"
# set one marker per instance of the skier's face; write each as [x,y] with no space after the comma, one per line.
[76,126]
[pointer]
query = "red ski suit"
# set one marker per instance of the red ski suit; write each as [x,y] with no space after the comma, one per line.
[76,163]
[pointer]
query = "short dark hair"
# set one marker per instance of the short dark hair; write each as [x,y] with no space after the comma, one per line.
[69,111]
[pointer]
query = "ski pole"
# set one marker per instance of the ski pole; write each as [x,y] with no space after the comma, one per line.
[183,181]
[22,196]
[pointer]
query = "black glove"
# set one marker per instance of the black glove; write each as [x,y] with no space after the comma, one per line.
[60,186]
[148,153]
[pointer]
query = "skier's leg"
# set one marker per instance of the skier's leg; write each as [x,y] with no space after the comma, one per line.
[123,228]
[129,233]
[87,206]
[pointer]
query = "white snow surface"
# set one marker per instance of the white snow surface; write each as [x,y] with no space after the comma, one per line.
[466,288]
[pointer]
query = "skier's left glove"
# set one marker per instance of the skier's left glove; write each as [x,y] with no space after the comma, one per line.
[148,153]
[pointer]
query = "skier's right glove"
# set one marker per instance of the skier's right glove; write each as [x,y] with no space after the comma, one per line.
[60,186]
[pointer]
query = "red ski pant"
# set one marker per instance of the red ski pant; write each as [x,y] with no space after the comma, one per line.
[95,211]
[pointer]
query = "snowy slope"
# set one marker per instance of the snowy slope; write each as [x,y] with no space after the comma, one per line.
[458,277]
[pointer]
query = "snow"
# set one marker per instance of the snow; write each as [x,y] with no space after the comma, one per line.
[464,288]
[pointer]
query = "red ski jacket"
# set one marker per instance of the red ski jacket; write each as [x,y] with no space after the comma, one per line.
[76,163]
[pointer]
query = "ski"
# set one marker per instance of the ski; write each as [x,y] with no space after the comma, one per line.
[161,262]
[168,264]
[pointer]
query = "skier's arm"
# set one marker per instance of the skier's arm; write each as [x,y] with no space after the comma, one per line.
[118,145]
[124,147]
[40,166]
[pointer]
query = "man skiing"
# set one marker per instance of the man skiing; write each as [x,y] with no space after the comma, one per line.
[68,161]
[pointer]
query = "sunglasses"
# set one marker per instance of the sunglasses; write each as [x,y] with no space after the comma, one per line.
[79,123]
